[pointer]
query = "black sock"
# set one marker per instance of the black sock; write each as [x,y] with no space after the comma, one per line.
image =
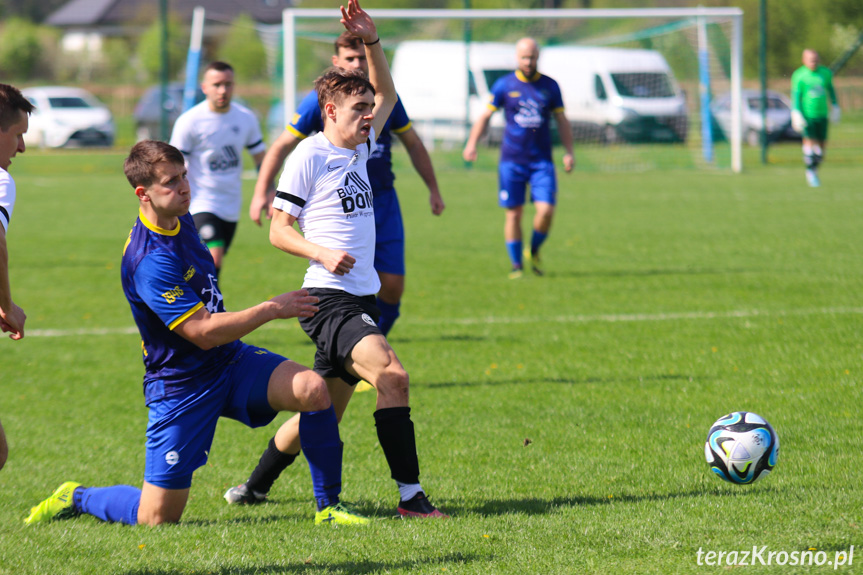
[396,436]
[271,465]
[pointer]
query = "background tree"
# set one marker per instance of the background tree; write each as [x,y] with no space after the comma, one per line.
[150,48]
[243,49]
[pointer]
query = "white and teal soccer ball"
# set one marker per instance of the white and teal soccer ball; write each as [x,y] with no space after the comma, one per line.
[741,447]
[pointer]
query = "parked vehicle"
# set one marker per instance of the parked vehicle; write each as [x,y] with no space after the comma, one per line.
[616,94]
[66,116]
[441,95]
[609,93]
[778,116]
[148,115]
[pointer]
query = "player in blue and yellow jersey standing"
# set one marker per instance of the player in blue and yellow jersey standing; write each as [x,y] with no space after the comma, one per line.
[528,100]
[813,105]
[197,369]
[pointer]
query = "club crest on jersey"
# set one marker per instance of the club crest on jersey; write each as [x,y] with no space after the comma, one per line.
[356,193]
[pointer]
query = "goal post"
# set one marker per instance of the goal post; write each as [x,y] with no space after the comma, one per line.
[698,19]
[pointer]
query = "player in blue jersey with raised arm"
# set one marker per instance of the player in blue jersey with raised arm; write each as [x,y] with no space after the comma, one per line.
[390,237]
[197,369]
[528,100]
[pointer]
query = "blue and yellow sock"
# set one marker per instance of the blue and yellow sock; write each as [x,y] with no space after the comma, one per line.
[514,251]
[320,442]
[536,241]
[115,504]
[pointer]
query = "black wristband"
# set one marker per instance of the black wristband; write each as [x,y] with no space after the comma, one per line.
[372,43]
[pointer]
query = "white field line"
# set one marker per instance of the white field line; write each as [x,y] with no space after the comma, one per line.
[503,320]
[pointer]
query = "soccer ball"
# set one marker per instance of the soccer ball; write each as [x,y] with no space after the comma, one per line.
[741,447]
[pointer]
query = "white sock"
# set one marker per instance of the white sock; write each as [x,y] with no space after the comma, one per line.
[408,490]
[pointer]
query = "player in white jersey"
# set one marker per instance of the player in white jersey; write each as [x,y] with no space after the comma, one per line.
[325,189]
[212,136]
[14,120]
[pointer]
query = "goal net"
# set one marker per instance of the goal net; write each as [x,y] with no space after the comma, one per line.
[643,89]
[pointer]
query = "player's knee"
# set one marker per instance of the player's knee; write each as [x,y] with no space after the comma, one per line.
[312,392]
[394,381]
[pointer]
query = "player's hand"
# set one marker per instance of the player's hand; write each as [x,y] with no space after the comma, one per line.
[262,204]
[296,304]
[12,322]
[469,153]
[835,114]
[798,122]
[358,23]
[568,163]
[436,201]
[338,262]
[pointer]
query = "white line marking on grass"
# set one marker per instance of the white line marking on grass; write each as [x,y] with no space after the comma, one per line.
[491,320]
[643,317]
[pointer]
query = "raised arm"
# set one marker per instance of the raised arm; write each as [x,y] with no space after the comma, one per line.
[359,23]
[269,167]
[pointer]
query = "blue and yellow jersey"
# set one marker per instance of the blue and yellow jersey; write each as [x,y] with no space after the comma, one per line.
[308,120]
[167,276]
[528,105]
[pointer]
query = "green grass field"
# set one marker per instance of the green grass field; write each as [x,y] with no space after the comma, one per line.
[671,298]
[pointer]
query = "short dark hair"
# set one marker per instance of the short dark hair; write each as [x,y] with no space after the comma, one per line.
[347,40]
[219,66]
[335,84]
[139,167]
[12,103]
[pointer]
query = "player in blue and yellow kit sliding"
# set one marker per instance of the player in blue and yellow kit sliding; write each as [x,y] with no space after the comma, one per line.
[529,100]
[197,369]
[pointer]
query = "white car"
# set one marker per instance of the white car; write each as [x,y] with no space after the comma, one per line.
[67,116]
[778,116]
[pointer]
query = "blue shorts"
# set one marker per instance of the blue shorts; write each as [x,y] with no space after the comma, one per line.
[513,179]
[181,427]
[389,235]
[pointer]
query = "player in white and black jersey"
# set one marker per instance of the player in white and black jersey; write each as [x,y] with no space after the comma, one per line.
[212,136]
[325,189]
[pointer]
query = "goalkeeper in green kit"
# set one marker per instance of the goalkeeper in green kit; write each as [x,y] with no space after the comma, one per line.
[811,112]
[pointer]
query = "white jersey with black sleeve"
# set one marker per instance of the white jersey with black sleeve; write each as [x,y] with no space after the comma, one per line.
[7,198]
[327,189]
[212,144]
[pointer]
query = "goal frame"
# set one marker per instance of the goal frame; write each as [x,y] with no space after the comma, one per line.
[702,14]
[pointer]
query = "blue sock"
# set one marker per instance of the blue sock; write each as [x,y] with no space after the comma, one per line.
[115,504]
[389,315]
[319,439]
[514,250]
[536,241]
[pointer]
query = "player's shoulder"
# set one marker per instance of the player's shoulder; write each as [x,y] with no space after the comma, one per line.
[242,110]
[6,180]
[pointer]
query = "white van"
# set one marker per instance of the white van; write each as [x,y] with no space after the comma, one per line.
[609,93]
[618,94]
[442,97]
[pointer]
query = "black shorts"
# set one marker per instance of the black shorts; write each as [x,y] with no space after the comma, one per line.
[216,232]
[343,320]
